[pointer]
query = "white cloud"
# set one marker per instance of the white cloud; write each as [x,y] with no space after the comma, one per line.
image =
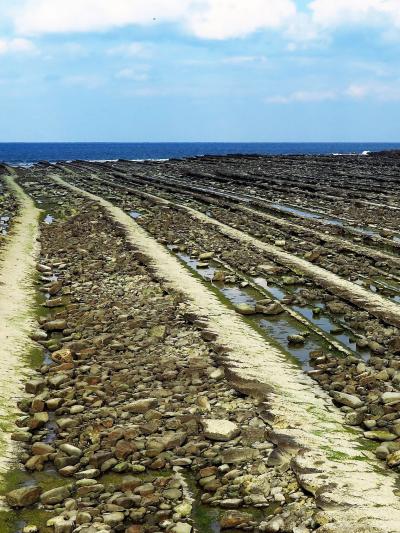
[303,96]
[354,91]
[52,16]
[302,30]
[86,81]
[17,46]
[298,21]
[330,13]
[380,91]
[208,19]
[223,19]
[243,60]
[238,60]
[133,49]
[138,74]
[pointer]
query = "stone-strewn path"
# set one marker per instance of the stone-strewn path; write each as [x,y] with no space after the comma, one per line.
[17,276]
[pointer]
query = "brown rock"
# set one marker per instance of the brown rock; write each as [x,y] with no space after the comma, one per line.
[394,345]
[62,356]
[41,448]
[24,497]
[234,519]
[130,483]
[55,325]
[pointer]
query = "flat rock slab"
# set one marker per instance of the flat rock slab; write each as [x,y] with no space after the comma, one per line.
[141,406]
[222,430]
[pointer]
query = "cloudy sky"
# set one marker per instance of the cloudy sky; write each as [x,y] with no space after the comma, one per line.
[200,70]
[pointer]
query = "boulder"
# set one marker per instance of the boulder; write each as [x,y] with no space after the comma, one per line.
[43,268]
[347,399]
[273,309]
[296,339]
[24,497]
[219,275]
[337,308]
[181,527]
[393,459]
[235,519]
[113,519]
[55,325]
[206,256]
[62,356]
[220,430]
[64,523]
[41,448]
[380,435]
[54,496]
[394,345]
[239,455]
[245,309]
[35,386]
[390,397]
[70,450]
[141,406]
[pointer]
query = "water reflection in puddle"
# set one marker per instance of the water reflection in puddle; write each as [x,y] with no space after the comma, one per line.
[237,296]
[276,291]
[331,221]
[296,211]
[135,214]
[277,327]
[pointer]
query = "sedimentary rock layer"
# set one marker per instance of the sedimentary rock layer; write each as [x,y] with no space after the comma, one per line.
[352,492]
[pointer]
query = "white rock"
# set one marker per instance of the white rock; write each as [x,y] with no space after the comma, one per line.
[113,519]
[222,430]
[182,527]
[73,451]
[276,524]
[391,397]
[217,374]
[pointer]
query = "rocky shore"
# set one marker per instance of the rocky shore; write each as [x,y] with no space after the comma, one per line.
[135,420]
[132,389]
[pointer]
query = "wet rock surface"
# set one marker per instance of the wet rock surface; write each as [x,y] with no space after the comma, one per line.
[132,407]
[375,370]
[131,392]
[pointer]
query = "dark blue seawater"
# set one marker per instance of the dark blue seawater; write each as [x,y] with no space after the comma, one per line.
[23,153]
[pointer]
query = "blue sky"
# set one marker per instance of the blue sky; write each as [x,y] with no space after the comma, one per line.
[200,70]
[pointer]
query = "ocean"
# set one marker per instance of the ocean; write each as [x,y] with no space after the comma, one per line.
[26,153]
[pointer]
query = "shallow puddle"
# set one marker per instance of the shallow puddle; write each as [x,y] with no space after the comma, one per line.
[296,211]
[319,319]
[275,290]
[135,214]
[365,231]
[278,328]
[206,518]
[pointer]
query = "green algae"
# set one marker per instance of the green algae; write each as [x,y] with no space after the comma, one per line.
[15,521]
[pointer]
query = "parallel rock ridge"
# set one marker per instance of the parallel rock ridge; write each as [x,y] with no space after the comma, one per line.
[17,270]
[215,345]
[350,491]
